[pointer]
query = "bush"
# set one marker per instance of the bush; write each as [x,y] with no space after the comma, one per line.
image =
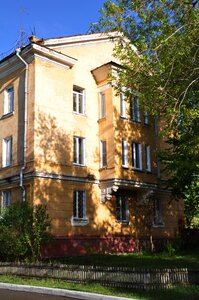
[23,229]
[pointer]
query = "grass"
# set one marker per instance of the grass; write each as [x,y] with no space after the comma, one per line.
[158,260]
[181,293]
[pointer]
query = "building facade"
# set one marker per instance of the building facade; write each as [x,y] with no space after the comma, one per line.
[70,141]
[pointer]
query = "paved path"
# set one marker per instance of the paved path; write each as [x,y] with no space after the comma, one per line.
[26,292]
[16,295]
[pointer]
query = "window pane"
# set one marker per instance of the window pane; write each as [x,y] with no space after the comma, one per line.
[122,208]
[102,105]
[9,101]
[122,106]
[124,153]
[103,154]
[78,100]
[137,156]
[79,210]
[148,157]
[135,109]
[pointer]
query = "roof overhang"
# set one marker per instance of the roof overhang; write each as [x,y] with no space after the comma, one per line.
[29,53]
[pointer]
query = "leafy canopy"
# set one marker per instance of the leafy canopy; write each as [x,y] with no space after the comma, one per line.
[164,70]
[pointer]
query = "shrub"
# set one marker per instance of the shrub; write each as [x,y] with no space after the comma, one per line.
[23,229]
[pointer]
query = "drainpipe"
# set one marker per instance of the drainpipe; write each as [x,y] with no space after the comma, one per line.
[21,184]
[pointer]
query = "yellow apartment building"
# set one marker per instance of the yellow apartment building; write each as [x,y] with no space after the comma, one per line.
[69,141]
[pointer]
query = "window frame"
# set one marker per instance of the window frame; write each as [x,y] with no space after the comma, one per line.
[137,156]
[124,153]
[103,154]
[77,219]
[122,208]
[158,213]
[79,101]
[146,118]
[148,157]
[122,106]
[7,152]
[5,202]
[135,109]
[9,100]
[102,105]
[79,151]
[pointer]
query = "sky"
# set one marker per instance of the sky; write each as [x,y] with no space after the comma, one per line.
[45,19]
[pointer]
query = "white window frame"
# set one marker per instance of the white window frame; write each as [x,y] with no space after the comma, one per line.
[135,109]
[122,211]
[9,100]
[79,148]
[5,199]
[78,100]
[158,217]
[102,105]
[124,153]
[148,157]
[77,219]
[122,105]
[7,152]
[103,154]
[137,156]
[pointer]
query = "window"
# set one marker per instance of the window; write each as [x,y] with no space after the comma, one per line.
[79,150]
[79,208]
[9,100]
[137,156]
[103,160]
[158,167]
[157,212]
[78,100]
[7,152]
[146,118]
[135,109]
[148,157]
[5,199]
[124,153]
[122,105]
[102,105]
[122,209]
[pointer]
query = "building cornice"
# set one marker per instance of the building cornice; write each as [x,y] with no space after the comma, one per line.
[12,63]
[80,39]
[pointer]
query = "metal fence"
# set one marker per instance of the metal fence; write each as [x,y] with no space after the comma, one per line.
[122,277]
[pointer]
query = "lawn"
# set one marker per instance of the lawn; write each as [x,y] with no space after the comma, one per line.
[142,260]
[158,260]
[180,293]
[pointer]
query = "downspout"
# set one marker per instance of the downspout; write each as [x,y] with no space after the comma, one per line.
[21,184]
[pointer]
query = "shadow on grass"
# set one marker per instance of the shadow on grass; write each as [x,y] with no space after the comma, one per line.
[161,260]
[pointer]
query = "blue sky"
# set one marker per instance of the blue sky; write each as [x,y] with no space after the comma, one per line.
[45,18]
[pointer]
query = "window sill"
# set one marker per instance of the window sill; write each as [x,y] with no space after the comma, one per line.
[123,118]
[7,115]
[123,222]
[135,122]
[125,167]
[158,225]
[138,170]
[6,167]
[101,119]
[79,114]
[78,165]
[79,222]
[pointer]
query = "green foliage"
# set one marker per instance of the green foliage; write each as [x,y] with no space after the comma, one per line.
[163,69]
[23,229]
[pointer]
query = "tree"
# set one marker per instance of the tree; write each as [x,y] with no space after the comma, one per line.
[23,229]
[158,46]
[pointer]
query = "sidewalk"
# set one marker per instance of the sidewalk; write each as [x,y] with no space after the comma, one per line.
[58,292]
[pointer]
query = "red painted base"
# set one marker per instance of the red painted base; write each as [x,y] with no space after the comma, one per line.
[82,245]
